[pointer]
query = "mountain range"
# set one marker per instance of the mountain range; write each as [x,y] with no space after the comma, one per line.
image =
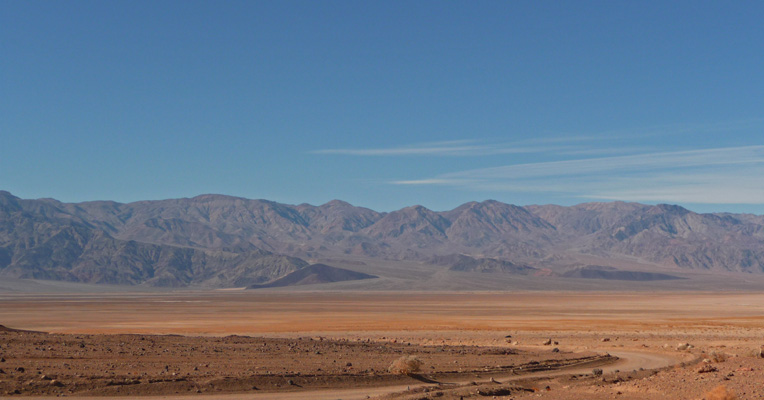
[224,241]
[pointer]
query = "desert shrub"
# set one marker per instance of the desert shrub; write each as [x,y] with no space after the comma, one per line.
[717,357]
[406,365]
[720,393]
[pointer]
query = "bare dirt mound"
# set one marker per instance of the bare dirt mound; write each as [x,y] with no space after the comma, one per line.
[4,328]
[314,274]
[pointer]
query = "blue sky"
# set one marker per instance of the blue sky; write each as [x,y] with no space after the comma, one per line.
[385,104]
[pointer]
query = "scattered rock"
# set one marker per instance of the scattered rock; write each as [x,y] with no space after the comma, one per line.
[495,392]
[606,339]
[683,346]
[707,368]
[547,342]
[555,350]
[597,372]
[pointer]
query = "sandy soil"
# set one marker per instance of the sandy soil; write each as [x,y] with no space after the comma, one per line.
[339,345]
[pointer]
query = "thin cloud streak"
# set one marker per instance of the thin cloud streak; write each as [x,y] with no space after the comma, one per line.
[677,129]
[713,176]
[465,148]
[560,143]
[608,165]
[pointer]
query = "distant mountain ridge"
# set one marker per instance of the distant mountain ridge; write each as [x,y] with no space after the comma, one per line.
[224,241]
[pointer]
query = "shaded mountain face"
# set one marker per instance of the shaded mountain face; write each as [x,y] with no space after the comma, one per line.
[463,263]
[314,274]
[223,241]
[598,272]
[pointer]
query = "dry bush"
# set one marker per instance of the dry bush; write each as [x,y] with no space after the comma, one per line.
[717,357]
[755,353]
[406,365]
[720,393]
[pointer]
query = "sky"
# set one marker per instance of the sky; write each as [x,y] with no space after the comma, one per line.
[385,104]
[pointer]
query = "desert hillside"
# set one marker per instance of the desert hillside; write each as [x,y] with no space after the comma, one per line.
[223,241]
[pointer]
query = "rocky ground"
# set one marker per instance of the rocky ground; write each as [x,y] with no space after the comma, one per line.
[554,367]
[328,346]
[129,365]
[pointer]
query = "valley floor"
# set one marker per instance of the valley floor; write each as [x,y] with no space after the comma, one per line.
[291,345]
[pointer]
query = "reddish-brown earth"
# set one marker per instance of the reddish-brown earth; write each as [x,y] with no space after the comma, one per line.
[43,364]
[339,345]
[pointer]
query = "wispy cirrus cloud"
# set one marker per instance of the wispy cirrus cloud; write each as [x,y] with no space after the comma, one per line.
[733,175]
[467,148]
[561,143]
[449,148]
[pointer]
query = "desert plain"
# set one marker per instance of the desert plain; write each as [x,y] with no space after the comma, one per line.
[281,344]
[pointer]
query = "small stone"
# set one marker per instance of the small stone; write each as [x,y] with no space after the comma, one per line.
[707,368]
